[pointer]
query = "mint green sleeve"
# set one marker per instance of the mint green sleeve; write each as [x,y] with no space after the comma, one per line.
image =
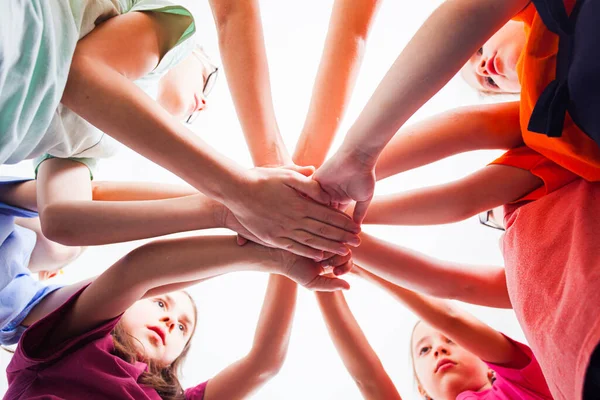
[90,163]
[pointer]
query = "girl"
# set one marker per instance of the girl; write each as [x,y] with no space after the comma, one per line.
[99,89]
[452,34]
[454,355]
[125,333]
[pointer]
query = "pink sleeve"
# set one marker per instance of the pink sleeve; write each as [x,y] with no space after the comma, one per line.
[35,347]
[529,377]
[196,392]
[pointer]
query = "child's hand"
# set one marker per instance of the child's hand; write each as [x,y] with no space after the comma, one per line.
[273,206]
[347,180]
[311,275]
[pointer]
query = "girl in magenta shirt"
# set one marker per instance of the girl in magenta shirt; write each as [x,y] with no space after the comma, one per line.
[454,355]
[126,334]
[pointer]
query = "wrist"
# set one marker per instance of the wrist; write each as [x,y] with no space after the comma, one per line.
[365,156]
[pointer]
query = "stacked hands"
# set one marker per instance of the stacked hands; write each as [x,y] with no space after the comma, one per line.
[298,210]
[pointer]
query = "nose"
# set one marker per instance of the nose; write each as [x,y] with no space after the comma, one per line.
[482,68]
[169,322]
[441,351]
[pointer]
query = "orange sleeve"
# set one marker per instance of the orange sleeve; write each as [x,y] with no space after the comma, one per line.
[553,175]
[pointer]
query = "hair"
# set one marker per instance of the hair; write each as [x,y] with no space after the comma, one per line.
[164,379]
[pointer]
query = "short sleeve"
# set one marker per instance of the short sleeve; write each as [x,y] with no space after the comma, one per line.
[529,377]
[90,163]
[34,349]
[196,392]
[552,175]
[6,209]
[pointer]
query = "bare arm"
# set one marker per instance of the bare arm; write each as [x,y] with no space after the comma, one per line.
[271,341]
[488,126]
[460,326]
[482,285]
[353,347]
[135,191]
[69,216]
[242,48]
[342,56]
[454,201]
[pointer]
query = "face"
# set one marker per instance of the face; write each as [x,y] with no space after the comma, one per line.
[180,90]
[444,369]
[163,325]
[493,68]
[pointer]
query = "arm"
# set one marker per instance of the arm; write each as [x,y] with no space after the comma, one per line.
[135,191]
[264,201]
[459,326]
[437,51]
[353,347]
[271,341]
[488,126]
[340,63]
[189,260]
[242,48]
[454,201]
[482,285]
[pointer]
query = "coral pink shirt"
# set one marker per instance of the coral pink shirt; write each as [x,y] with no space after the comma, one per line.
[80,368]
[552,256]
[527,383]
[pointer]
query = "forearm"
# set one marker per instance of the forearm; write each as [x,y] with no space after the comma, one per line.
[473,284]
[436,52]
[22,195]
[340,63]
[85,223]
[133,191]
[242,48]
[274,327]
[358,356]
[489,126]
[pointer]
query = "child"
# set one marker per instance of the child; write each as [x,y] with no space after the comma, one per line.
[72,41]
[127,331]
[454,355]
[452,34]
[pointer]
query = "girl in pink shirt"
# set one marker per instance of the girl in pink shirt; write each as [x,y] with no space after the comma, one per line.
[455,356]
[125,334]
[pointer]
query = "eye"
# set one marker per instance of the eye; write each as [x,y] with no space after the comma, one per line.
[449,341]
[160,303]
[181,328]
[423,350]
[491,82]
[480,51]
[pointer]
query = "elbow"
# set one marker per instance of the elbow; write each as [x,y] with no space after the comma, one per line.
[55,228]
[267,365]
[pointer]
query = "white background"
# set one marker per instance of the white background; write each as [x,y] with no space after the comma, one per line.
[229,305]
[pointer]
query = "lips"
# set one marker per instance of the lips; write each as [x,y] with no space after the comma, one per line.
[159,332]
[444,364]
[491,66]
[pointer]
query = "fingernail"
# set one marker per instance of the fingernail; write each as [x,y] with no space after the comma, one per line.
[343,251]
[355,241]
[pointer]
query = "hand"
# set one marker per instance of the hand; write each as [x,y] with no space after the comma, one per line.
[311,275]
[275,206]
[345,179]
[339,265]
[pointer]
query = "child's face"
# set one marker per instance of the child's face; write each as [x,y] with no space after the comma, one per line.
[443,368]
[493,67]
[163,325]
[180,90]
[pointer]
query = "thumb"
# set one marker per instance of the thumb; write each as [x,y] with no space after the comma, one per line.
[308,187]
[360,210]
[304,170]
[326,284]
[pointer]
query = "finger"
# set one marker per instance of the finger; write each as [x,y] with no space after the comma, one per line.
[330,232]
[332,217]
[336,261]
[304,170]
[324,284]
[319,243]
[309,187]
[241,240]
[360,211]
[343,269]
[298,248]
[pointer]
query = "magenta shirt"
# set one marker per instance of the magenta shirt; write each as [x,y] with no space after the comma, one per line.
[527,383]
[80,368]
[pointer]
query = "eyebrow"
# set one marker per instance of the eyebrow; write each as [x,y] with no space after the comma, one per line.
[421,341]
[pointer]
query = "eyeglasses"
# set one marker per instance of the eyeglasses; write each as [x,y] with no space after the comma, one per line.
[209,81]
[487,218]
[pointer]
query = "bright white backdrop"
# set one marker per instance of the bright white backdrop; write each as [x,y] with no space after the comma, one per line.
[229,305]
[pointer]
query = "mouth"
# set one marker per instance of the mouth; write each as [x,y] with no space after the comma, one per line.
[443,365]
[159,332]
[492,65]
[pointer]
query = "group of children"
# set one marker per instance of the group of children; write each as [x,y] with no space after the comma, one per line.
[71,90]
